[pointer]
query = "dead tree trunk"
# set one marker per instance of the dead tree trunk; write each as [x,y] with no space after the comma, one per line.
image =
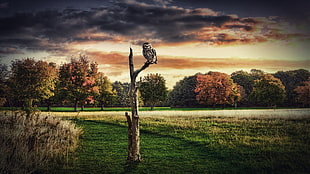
[133,120]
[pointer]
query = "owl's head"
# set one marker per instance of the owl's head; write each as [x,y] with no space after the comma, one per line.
[146,45]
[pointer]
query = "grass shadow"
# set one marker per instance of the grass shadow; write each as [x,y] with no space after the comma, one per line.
[160,153]
[104,150]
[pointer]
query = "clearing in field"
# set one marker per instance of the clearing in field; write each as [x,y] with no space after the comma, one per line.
[196,142]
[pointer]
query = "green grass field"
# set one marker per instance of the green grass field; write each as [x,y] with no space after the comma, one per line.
[194,144]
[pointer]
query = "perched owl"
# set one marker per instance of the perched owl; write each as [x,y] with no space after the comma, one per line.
[149,53]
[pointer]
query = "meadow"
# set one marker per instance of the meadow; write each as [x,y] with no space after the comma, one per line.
[229,141]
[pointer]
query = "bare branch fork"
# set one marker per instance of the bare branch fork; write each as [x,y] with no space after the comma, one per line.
[133,121]
[134,74]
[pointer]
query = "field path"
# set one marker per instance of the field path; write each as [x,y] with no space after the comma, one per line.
[261,113]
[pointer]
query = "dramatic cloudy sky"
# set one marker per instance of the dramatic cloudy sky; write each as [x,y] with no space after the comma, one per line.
[190,36]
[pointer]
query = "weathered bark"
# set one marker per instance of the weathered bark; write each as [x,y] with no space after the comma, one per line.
[129,136]
[48,107]
[152,107]
[28,103]
[28,106]
[75,105]
[82,106]
[102,105]
[49,104]
[133,121]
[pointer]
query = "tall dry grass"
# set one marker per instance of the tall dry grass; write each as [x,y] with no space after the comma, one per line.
[29,143]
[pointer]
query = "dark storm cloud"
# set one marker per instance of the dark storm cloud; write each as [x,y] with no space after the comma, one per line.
[53,25]
[166,24]
[129,20]
[44,30]
[9,50]
[4,5]
[245,27]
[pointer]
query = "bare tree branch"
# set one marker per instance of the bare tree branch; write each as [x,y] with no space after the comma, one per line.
[131,66]
[134,74]
[146,64]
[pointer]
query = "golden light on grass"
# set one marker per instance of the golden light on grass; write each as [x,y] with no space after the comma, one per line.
[259,113]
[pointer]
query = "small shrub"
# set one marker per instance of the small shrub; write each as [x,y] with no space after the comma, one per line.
[28,143]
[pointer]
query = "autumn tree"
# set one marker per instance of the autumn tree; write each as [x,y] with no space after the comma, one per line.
[32,80]
[183,94]
[303,93]
[216,88]
[268,90]
[77,80]
[153,90]
[103,90]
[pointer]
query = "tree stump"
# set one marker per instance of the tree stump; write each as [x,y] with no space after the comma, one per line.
[133,120]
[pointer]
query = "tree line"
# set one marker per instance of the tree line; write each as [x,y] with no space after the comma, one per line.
[79,84]
[254,88]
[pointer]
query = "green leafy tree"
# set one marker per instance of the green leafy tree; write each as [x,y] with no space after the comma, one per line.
[246,80]
[103,89]
[303,93]
[183,94]
[292,79]
[77,81]
[256,73]
[216,88]
[122,90]
[268,90]
[153,90]
[122,94]
[32,80]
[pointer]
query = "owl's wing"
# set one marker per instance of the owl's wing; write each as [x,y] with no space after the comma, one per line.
[145,54]
[154,52]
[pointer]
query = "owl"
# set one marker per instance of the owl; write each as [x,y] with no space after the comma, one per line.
[149,53]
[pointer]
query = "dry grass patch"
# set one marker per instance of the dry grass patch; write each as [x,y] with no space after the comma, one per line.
[29,143]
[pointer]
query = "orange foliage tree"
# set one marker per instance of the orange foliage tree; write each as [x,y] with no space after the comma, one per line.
[216,88]
[304,93]
[77,81]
